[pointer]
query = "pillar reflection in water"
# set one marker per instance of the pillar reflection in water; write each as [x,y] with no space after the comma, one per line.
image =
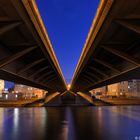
[67,128]
[64,130]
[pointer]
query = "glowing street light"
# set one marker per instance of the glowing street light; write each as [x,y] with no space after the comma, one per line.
[6,96]
[68,87]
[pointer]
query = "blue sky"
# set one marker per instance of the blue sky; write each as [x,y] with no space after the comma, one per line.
[67,23]
[8,84]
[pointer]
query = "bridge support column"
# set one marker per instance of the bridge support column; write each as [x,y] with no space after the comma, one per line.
[86,97]
[49,97]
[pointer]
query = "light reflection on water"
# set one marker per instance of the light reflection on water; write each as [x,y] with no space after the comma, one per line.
[15,122]
[70,123]
[16,118]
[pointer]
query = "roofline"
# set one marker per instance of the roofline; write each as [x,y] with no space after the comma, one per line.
[34,14]
[101,13]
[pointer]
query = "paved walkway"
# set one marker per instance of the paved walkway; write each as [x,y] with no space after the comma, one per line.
[93,102]
[122,101]
[17,103]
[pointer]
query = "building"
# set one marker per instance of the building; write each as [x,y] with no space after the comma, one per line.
[129,88]
[39,93]
[118,89]
[134,88]
[101,90]
[123,88]
[113,89]
[28,92]
[2,84]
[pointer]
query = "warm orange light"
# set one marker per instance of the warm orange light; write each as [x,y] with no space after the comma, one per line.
[68,87]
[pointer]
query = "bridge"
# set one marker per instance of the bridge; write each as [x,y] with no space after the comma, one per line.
[111,52]
[26,53]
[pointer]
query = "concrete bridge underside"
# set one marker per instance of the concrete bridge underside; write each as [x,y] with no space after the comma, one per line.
[112,49]
[26,54]
[111,52]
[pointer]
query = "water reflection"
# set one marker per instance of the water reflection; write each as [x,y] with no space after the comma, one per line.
[64,131]
[67,131]
[16,119]
[15,122]
[1,121]
[69,123]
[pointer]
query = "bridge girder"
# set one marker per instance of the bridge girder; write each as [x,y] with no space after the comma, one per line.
[26,53]
[112,47]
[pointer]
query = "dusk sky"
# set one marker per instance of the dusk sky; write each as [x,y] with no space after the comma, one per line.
[67,23]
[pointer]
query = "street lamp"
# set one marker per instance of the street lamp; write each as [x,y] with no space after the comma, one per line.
[68,87]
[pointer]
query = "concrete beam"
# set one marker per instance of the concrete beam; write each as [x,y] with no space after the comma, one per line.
[49,81]
[39,71]
[88,78]
[107,65]
[92,75]
[51,77]
[13,57]
[129,26]
[14,77]
[132,73]
[86,97]
[132,17]
[87,81]
[30,65]
[122,55]
[44,75]
[68,91]
[98,71]
[50,97]
[63,93]
[9,27]
[72,93]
